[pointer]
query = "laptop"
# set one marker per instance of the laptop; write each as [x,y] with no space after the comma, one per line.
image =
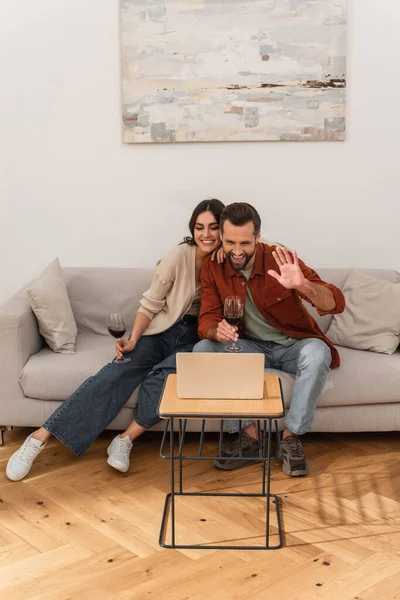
[220,375]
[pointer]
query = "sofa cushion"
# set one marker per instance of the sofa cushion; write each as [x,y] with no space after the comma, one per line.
[50,376]
[362,378]
[94,293]
[50,303]
[338,277]
[362,375]
[371,320]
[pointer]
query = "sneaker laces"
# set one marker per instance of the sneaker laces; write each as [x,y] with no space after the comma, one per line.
[123,446]
[29,451]
[234,446]
[246,440]
[295,447]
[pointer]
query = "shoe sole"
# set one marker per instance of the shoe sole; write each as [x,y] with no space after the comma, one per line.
[299,473]
[233,467]
[11,478]
[116,466]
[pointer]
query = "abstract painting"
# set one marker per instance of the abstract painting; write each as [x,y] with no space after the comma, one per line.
[227,70]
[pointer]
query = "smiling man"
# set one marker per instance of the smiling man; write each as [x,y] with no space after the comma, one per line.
[272,282]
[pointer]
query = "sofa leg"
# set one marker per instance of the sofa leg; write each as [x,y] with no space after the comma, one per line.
[4,428]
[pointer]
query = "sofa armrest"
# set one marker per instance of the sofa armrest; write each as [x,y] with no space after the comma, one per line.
[19,339]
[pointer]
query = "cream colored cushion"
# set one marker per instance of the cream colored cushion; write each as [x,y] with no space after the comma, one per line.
[50,303]
[371,319]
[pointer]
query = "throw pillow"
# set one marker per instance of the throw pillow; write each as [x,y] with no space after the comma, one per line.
[371,319]
[50,303]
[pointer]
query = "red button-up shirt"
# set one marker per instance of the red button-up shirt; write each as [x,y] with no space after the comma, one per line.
[280,307]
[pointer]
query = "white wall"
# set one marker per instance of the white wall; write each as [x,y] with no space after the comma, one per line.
[69,186]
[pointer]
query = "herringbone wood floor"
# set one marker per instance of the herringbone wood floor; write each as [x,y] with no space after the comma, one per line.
[76,529]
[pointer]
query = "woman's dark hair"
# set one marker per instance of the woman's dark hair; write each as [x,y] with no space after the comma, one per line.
[241,213]
[214,206]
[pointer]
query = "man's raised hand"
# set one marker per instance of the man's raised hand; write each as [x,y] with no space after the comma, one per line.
[290,276]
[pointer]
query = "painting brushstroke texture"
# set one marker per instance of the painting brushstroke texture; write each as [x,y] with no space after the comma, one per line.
[224,70]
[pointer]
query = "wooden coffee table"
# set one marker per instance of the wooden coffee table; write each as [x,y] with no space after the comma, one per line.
[263,411]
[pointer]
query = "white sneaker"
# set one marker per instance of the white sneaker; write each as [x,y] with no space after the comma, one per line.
[118,453]
[20,463]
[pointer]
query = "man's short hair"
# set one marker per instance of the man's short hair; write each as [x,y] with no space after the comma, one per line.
[241,213]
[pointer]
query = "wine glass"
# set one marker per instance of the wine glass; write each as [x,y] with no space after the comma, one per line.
[233,314]
[116,326]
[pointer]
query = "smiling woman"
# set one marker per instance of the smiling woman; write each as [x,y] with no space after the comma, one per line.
[204,224]
[165,323]
[206,233]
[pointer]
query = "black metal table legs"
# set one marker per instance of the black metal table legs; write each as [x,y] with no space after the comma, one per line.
[264,456]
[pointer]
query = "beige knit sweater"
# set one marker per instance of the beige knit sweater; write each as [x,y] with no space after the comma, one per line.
[172,290]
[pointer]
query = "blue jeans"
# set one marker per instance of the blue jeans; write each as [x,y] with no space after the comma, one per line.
[308,359]
[87,412]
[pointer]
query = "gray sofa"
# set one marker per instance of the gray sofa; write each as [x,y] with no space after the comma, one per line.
[362,395]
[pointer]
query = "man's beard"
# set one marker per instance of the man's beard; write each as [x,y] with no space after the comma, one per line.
[242,266]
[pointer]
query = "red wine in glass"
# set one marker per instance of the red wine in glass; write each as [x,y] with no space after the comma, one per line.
[233,320]
[116,326]
[117,333]
[233,314]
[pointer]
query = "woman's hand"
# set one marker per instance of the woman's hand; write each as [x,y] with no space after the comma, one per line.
[220,254]
[122,346]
